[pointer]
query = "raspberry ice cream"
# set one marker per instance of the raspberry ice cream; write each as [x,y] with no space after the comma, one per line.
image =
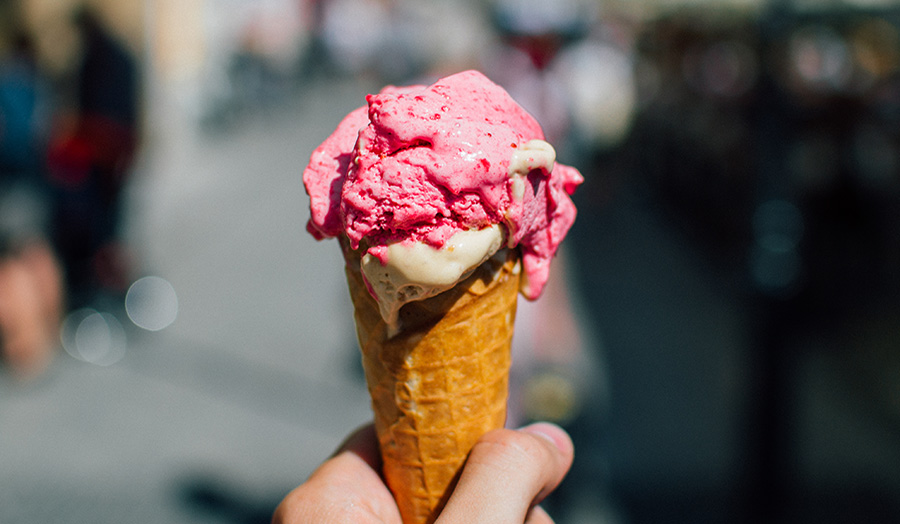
[440,177]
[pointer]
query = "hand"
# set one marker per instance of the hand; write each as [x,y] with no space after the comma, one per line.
[506,475]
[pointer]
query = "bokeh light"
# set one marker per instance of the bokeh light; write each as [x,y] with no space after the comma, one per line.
[151,303]
[94,337]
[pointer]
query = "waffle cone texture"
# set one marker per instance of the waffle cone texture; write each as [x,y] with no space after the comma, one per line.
[440,383]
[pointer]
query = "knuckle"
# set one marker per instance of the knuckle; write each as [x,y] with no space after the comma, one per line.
[512,448]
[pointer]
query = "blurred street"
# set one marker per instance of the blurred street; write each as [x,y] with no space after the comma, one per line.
[251,386]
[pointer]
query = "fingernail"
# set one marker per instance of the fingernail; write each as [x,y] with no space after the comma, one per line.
[553,433]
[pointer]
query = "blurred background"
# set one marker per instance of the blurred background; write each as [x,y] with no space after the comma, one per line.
[722,336]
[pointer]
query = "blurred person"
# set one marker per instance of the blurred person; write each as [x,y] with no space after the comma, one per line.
[507,475]
[90,159]
[556,367]
[545,56]
[31,296]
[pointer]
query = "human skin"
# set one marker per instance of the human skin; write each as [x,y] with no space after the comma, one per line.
[506,475]
[30,307]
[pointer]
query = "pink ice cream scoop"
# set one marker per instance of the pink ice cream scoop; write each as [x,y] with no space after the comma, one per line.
[419,165]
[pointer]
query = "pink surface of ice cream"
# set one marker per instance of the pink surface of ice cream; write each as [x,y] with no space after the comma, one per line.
[420,164]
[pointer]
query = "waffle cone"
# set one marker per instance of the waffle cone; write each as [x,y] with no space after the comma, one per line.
[440,383]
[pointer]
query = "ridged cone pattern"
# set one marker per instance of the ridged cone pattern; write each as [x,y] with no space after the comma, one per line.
[441,383]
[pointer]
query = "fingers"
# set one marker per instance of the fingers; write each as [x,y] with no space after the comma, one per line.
[347,488]
[508,472]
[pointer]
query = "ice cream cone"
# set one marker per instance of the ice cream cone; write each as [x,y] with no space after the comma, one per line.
[441,382]
[425,183]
